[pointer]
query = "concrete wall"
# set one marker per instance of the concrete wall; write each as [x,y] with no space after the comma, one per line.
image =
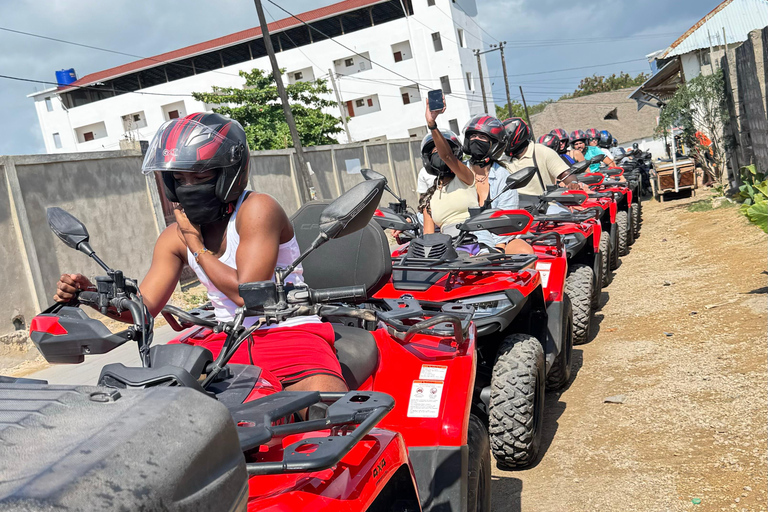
[124,214]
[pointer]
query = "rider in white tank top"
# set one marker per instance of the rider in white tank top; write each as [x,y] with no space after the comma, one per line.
[224,308]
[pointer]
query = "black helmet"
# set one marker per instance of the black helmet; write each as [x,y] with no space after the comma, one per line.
[490,127]
[592,133]
[550,140]
[614,143]
[578,135]
[606,139]
[428,144]
[197,143]
[518,135]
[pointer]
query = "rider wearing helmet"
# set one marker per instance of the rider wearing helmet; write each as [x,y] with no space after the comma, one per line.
[523,152]
[552,141]
[569,156]
[461,186]
[228,236]
[593,140]
[579,141]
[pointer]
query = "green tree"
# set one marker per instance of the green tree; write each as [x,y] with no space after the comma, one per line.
[699,105]
[257,107]
[598,83]
[502,112]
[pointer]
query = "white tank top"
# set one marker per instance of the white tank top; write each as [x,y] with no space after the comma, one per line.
[224,308]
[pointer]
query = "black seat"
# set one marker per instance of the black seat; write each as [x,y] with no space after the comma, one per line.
[357,353]
[362,258]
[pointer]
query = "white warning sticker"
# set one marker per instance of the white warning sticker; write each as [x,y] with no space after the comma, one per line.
[425,399]
[433,372]
[544,269]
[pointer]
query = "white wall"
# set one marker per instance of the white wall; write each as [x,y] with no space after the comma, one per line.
[393,120]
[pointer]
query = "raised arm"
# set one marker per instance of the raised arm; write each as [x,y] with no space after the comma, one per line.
[463,172]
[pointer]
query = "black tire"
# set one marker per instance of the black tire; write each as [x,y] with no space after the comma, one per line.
[615,248]
[622,226]
[597,280]
[605,250]
[630,228]
[634,212]
[578,287]
[517,401]
[479,481]
[560,373]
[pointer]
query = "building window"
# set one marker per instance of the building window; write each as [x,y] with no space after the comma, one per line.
[370,102]
[134,121]
[301,75]
[173,114]
[174,110]
[349,62]
[460,33]
[398,56]
[359,103]
[88,136]
[351,65]
[445,85]
[453,124]
[402,51]
[469,80]
[91,132]
[410,94]
[49,104]
[430,3]
[298,76]
[57,141]
[437,42]
[363,106]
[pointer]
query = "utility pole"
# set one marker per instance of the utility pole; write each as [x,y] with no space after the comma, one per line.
[341,106]
[306,190]
[506,80]
[527,117]
[482,83]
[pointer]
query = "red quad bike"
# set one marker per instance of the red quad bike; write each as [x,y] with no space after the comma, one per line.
[191,431]
[524,328]
[577,234]
[623,197]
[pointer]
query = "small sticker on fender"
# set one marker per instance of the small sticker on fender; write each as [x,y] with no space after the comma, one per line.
[433,372]
[425,399]
[544,269]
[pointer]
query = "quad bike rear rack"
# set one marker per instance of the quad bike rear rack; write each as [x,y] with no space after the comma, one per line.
[350,417]
[486,263]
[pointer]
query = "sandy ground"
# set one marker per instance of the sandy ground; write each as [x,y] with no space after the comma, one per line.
[682,335]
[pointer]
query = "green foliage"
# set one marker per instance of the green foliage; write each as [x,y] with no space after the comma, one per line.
[700,206]
[257,107]
[518,110]
[753,195]
[598,83]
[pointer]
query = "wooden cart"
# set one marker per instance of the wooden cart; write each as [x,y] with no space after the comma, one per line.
[673,177]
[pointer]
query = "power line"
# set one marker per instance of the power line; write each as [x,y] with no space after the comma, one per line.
[90,87]
[473,21]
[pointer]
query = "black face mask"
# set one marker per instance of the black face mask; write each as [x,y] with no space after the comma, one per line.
[200,202]
[479,150]
[438,166]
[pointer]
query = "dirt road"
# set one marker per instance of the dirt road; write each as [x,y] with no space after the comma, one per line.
[682,335]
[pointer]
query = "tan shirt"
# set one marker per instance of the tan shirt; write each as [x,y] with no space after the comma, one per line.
[550,167]
[450,205]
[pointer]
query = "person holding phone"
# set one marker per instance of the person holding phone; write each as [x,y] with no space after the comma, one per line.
[460,186]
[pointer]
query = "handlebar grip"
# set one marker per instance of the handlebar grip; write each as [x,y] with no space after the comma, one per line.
[339,294]
[88,297]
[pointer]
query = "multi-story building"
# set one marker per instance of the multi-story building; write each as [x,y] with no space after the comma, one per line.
[395,51]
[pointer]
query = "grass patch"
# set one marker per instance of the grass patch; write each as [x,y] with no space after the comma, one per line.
[704,205]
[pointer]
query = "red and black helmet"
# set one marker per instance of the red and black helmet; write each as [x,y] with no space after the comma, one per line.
[550,140]
[592,133]
[490,127]
[578,135]
[562,135]
[428,144]
[518,135]
[197,143]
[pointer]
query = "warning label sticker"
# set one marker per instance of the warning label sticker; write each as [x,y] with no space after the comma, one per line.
[544,269]
[433,372]
[425,399]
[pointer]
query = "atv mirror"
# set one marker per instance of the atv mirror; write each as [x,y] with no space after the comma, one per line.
[520,178]
[351,211]
[613,171]
[591,179]
[596,159]
[371,175]
[499,222]
[72,232]
[579,167]
[69,230]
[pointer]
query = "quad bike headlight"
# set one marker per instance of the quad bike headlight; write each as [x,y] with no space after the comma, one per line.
[488,305]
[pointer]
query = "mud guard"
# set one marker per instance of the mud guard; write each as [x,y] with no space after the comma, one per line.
[554,343]
[441,474]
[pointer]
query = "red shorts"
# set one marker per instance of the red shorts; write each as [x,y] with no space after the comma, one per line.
[289,353]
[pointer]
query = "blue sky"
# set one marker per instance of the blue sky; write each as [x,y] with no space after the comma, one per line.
[542,36]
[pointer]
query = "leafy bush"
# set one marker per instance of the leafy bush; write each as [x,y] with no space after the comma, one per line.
[753,195]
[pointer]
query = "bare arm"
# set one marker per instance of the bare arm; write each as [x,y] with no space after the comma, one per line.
[429,224]
[444,149]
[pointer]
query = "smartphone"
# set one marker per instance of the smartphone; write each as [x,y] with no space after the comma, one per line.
[436,101]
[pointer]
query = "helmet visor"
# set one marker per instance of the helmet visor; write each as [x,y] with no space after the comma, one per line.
[185,145]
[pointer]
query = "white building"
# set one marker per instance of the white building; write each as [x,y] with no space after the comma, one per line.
[424,41]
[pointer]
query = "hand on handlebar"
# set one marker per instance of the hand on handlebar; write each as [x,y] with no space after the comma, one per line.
[69,285]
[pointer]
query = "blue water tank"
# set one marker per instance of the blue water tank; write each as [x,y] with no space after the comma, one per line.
[65,76]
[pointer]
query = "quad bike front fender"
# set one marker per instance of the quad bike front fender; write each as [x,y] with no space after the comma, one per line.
[554,342]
